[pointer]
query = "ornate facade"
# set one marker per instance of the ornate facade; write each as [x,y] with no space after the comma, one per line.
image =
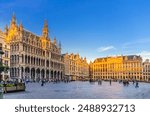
[33,57]
[5,57]
[76,67]
[118,68]
[146,70]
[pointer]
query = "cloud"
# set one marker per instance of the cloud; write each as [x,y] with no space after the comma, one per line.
[136,42]
[145,55]
[103,49]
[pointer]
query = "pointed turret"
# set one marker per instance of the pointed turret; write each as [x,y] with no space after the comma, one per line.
[45,30]
[55,42]
[6,29]
[21,27]
[13,20]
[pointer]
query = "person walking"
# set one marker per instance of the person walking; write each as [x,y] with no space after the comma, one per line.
[110,82]
[42,84]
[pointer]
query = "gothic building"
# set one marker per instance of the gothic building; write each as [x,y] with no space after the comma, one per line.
[33,57]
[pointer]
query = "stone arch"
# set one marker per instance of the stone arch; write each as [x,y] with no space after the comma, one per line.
[31,60]
[27,73]
[37,61]
[34,60]
[61,76]
[12,72]
[58,75]
[22,58]
[47,74]
[28,59]
[38,74]
[47,63]
[12,59]
[42,74]
[52,74]
[33,74]
[55,74]
[17,58]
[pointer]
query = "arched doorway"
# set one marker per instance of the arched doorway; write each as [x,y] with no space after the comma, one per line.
[27,73]
[55,74]
[47,75]
[58,75]
[38,74]
[52,75]
[33,74]
[42,74]
[61,76]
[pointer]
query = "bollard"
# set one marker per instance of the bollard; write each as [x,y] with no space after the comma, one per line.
[1,92]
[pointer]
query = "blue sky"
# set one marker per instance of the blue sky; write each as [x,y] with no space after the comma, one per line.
[93,28]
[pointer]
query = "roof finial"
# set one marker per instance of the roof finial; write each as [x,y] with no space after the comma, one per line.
[21,26]
[45,29]
[13,20]
[55,42]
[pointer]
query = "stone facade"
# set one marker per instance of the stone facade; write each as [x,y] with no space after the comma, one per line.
[5,57]
[146,70]
[33,57]
[76,68]
[118,68]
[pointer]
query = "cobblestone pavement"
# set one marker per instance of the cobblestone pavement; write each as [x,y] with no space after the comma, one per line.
[81,90]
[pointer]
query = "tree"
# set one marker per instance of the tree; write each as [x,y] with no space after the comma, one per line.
[3,68]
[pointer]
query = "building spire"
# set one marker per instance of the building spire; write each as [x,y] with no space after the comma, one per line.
[45,30]
[21,26]
[55,42]
[13,20]
[6,29]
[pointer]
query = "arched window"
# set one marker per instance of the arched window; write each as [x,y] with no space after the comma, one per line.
[17,58]
[34,61]
[22,58]
[14,58]
[28,59]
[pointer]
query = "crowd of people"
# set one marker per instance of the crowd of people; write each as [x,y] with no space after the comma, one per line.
[124,82]
[44,81]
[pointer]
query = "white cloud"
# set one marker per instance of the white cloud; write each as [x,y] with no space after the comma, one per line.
[103,49]
[136,42]
[145,55]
